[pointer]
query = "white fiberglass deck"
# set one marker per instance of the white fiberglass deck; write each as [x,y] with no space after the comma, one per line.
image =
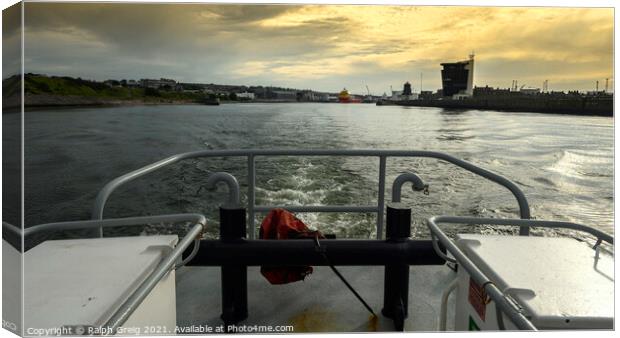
[560,283]
[321,303]
[83,281]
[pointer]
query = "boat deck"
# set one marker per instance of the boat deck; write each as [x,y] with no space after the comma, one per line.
[321,303]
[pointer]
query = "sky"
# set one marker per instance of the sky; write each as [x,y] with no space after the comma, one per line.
[323,48]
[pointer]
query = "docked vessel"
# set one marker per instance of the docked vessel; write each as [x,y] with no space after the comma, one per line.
[345,97]
[164,284]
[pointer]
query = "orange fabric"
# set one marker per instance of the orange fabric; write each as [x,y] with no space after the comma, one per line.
[281,224]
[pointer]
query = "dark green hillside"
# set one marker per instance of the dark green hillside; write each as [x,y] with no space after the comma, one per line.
[40,84]
[36,84]
[10,86]
[60,90]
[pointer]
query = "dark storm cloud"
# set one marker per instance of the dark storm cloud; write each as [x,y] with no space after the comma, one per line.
[190,42]
[11,41]
[247,13]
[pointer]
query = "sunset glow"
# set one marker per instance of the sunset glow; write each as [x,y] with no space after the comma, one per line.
[320,47]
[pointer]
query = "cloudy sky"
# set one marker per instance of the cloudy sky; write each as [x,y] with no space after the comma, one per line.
[320,47]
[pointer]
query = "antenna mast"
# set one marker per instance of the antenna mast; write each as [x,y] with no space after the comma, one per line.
[606,85]
[421,82]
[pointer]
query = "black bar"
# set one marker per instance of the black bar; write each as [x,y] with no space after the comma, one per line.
[398,222]
[232,223]
[302,252]
[396,280]
[235,275]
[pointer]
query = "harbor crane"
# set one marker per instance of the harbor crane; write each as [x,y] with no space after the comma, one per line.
[606,85]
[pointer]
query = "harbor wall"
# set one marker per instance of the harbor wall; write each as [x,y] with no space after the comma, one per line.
[577,105]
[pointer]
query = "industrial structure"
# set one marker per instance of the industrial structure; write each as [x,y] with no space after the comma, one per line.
[457,78]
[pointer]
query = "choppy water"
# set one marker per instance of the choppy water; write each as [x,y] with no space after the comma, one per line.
[564,164]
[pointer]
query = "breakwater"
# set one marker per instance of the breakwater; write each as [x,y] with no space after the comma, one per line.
[576,105]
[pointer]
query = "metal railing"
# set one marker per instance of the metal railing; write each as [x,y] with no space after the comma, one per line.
[502,301]
[251,155]
[12,229]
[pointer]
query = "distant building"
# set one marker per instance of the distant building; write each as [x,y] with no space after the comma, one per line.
[323,97]
[310,96]
[597,93]
[457,78]
[284,95]
[529,91]
[167,82]
[396,95]
[245,96]
[148,83]
[426,95]
[490,91]
[112,83]
[408,93]
[407,88]
[158,84]
[132,83]
[405,94]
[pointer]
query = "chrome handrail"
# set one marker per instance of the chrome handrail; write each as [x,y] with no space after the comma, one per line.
[600,235]
[12,228]
[114,222]
[111,223]
[106,191]
[132,302]
[502,301]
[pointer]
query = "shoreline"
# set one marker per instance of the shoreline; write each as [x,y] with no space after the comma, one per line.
[38,102]
[42,102]
[67,101]
[45,101]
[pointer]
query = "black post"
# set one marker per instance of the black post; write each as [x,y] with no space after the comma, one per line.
[234,276]
[396,281]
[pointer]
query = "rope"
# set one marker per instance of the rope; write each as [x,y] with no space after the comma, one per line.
[322,252]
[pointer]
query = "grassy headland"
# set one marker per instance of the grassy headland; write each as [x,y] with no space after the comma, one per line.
[42,90]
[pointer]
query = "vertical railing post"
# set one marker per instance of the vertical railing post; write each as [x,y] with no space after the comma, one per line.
[396,280]
[234,277]
[381,197]
[251,195]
